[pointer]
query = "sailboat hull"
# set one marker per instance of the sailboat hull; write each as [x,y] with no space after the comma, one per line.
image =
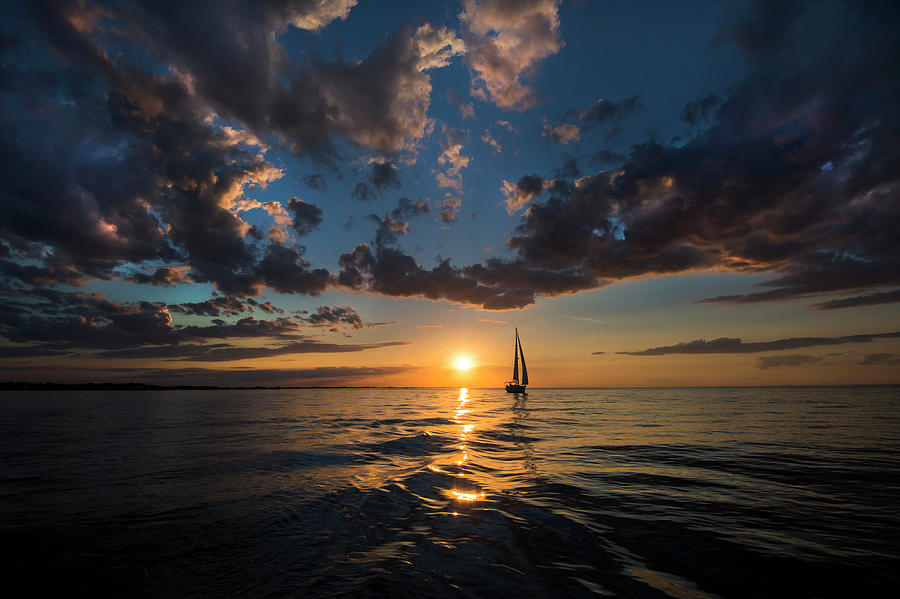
[512,388]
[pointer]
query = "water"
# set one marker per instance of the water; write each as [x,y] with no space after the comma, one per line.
[752,492]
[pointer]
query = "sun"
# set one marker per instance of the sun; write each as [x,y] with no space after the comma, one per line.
[463,363]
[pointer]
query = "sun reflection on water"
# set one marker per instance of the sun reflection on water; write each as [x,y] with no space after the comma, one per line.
[467,495]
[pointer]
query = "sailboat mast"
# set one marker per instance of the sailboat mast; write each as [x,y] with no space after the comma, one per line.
[516,358]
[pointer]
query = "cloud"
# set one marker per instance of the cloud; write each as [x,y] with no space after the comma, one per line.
[52,272]
[305,216]
[396,222]
[880,359]
[489,140]
[228,305]
[603,112]
[734,345]
[527,188]
[454,161]
[166,276]
[323,375]
[189,143]
[382,101]
[872,299]
[506,42]
[334,316]
[383,174]
[87,324]
[495,285]
[564,133]
[449,208]
[220,353]
[215,306]
[792,176]
[695,113]
[379,102]
[765,362]
[178,190]
[316,14]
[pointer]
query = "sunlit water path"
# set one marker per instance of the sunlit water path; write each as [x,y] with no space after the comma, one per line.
[763,492]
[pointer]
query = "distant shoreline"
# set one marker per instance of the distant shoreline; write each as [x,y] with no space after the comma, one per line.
[27,386]
[24,386]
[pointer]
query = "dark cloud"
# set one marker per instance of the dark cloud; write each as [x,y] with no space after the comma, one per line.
[495,285]
[333,316]
[695,113]
[379,101]
[526,189]
[215,306]
[180,172]
[733,345]
[51,272]
[177,177]
[603,112]
[381,176]
[795,174]
[305,216]
[267,307]
[396,222]
[220,353]
[323,375]
[762,29]
[384,175]
[88,324]
[165,276]
[880,359]
[448,209]
[872,299]
[765,362]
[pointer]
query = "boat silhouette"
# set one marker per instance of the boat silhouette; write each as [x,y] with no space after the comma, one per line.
[514,386]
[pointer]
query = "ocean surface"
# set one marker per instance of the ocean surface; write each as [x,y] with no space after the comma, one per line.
[729,492]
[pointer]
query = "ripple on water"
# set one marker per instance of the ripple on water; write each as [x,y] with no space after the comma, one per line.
[633,493]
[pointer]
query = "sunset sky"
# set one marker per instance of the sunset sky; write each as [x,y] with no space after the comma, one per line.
[357,192]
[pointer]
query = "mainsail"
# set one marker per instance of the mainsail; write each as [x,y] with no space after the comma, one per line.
[524,370]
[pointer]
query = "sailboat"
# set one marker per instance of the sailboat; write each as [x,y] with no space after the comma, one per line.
[513,386]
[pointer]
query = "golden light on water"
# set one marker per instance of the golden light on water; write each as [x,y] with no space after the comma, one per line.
[467,496]
[464,430]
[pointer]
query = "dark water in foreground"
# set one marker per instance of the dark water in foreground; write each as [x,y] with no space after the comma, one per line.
[755,492]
